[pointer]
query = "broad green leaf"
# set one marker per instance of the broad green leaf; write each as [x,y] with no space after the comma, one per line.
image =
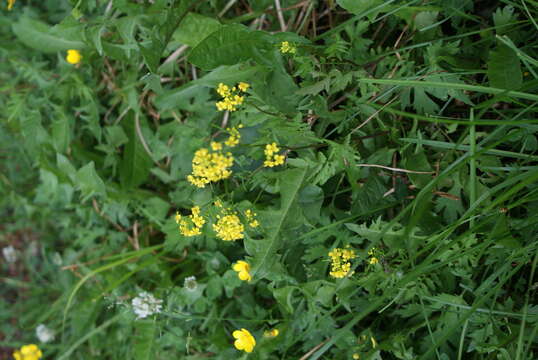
[136,163]
[66,167]
[38,35]
[88,182]
[144,339]
[418,161]
[61,133]
[504,69]
[277,89]
[195,28]
[230,45]
[263,251]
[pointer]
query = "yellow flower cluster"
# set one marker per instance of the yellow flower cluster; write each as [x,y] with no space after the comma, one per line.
[373,256]
[251,217]
[195,219]
[286,47]
[230,97]
[73,57]
[244,340]
[340,265]
[214,165]
[28,352]
[243,270]
[234,137]
[210,167]
[229,227]
[271,156]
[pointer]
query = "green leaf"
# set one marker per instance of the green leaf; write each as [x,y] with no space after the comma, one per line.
[66,167]
[358,6]
[144,339]
[230,45]
[504,69]
[40,36]
[417,161]
[88,182]
[277,89]
[61,133]
[263,251]
[195,28]
[136,163]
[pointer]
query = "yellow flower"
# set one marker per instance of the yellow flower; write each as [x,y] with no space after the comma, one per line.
[223,90]
[230,98]
[216,146]
[28,352]
[251,218]
[340,265]
[271,333]
[229,227]
[73,57]
[356,356]
[286,47]
[243,270]
[270,149]
[234,137]
[271,158]
[209,167]
[373,260]
[196,220]
[10,4]
[244,340]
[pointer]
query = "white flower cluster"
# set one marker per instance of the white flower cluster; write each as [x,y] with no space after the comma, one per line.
[145,304]
[44,334]
[190,283]
[10,254]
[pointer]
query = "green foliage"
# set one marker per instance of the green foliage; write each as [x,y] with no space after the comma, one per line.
[408,136]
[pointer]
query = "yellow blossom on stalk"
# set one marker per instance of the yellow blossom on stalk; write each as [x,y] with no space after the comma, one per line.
[234,137]
[374,259]
[251,218]
[286,47]
[10,4]
[196,220]
[210,167]
[243,270]
[271,333]
[229,227]
[28,352]
[356,356]
[216,146]
[244,340]
[230,97]
[271,157]
[340,265]
[73,57]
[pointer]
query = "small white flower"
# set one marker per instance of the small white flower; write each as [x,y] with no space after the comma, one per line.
[190,283]
[10,254]
[145,304]
[57,259]
[44,334]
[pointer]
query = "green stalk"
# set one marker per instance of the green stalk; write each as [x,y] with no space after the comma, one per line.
[472,165]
